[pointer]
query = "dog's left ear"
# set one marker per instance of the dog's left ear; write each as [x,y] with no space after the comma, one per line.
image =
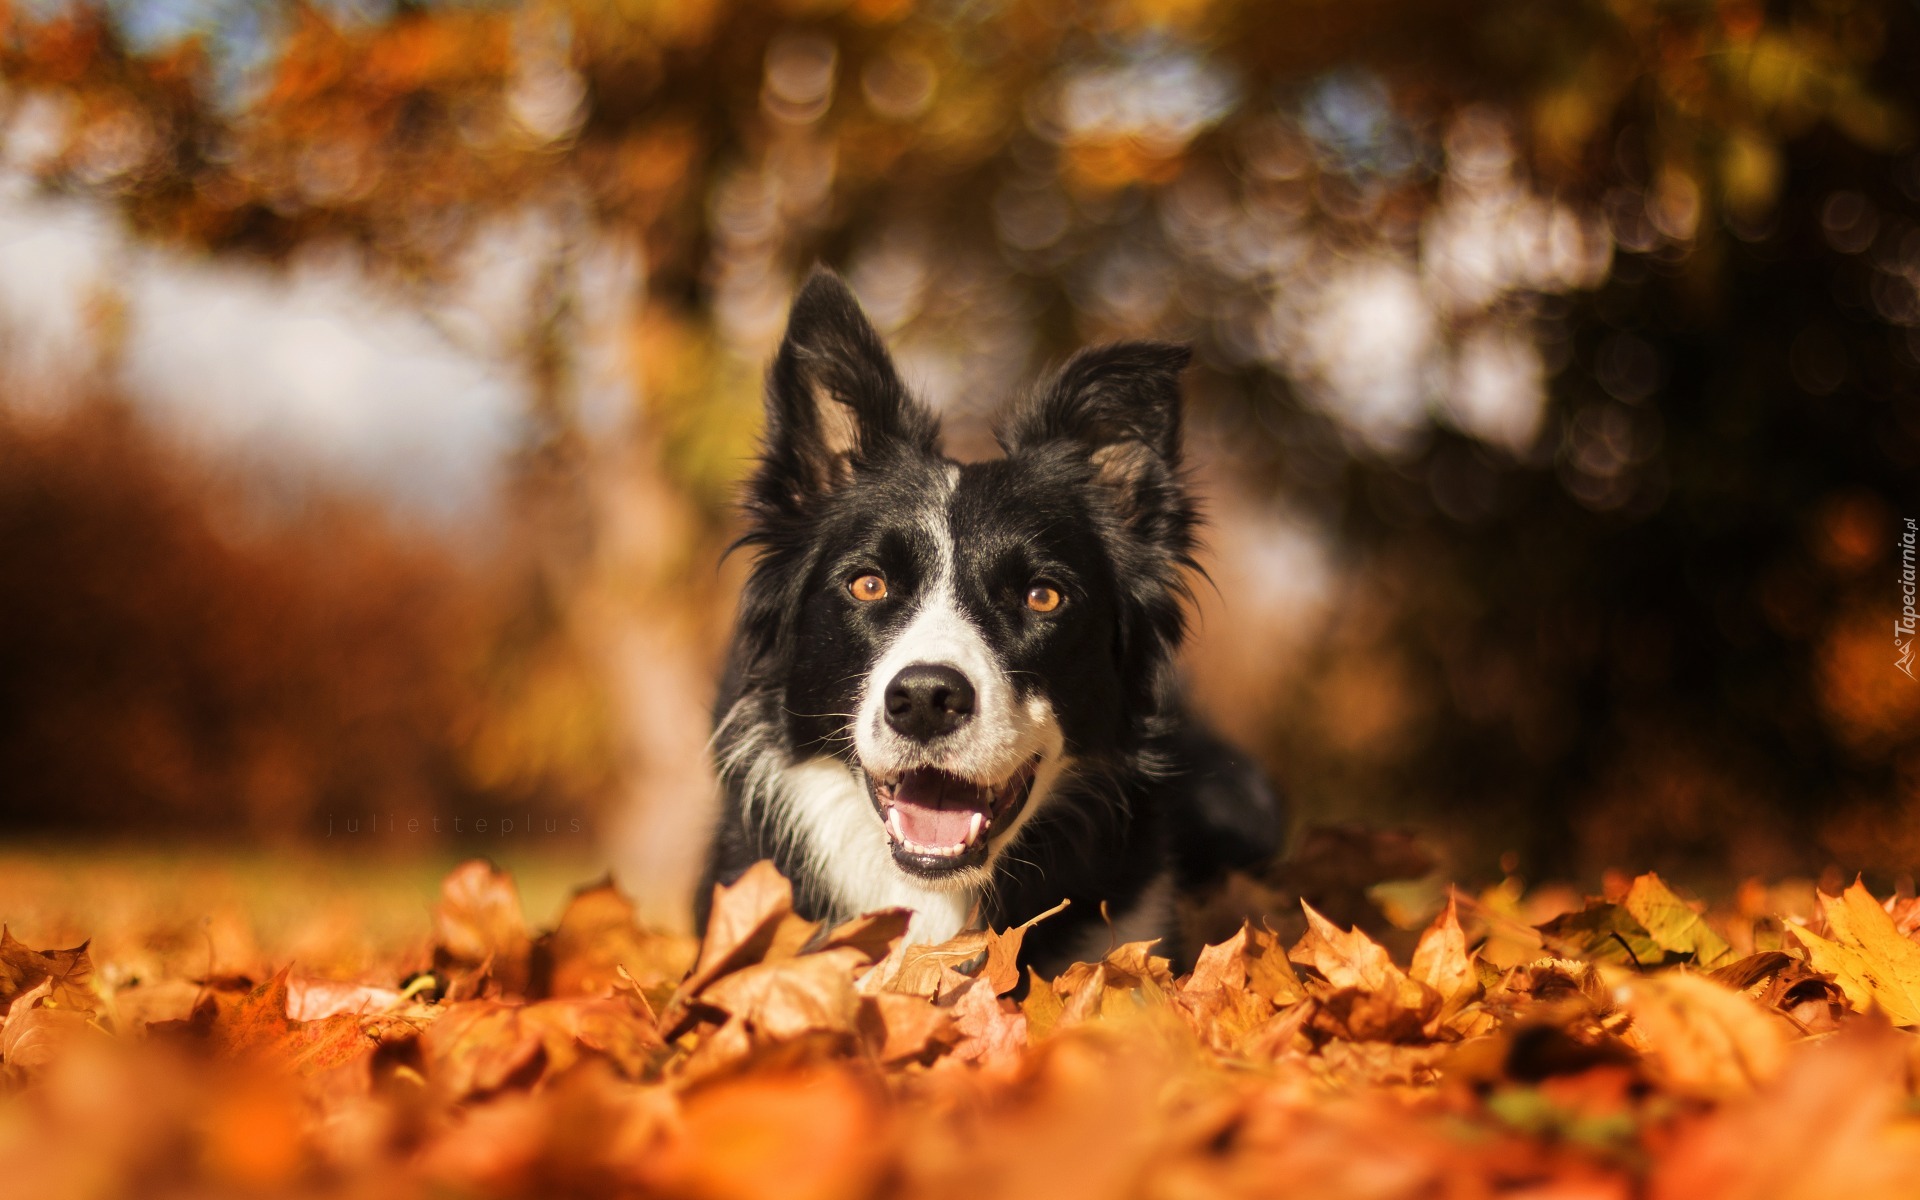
[1120,406]
[834,399]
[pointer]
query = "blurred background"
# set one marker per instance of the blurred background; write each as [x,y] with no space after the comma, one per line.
[375,378]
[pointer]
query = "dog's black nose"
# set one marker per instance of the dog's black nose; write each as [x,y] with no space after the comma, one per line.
[925,701]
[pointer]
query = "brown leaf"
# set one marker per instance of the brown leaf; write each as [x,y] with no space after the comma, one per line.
[598,935]
[810,994]
[752,920]
[1700,1038]
[899,1028]
[874,934]
[1221,966]
[478,923]
[1224,1017]
[1042,1006]
[71,972]
[775,1135]
[1743,973]
[1828,1125]
[478,1047]
[1002,971]
[257,1025]
[1441,961]
[317,999]
[1347,959]
[992,1031]
[35,1030]
[1357,1014]
[935,971]
[481,1046]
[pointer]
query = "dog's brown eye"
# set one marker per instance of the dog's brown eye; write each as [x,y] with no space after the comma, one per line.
[868,588]
[1043,598]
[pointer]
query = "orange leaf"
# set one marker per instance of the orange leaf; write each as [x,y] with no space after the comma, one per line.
[478,922]
[749,918]
[70,970]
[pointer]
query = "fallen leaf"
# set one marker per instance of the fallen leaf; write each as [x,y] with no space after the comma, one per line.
[936,970]
[1873,964]
[1042,1006]
[258,1025]
[1346,959]
[478,924]
[1743,973]
[1700,1038]
[317,999]
[874,934]
[1672,923]
[1441,961]
[992,1031]
[70,972]
[899,1028]
[35,1030]
[1827,1125]
[1002,969]
[478,1047]
[598,936]
[809,994]
[752,920]
[1603,933]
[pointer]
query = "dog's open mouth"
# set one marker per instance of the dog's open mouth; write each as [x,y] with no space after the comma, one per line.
[939,822]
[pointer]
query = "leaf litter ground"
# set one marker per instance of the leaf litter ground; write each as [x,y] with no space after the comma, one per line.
[1635,1047]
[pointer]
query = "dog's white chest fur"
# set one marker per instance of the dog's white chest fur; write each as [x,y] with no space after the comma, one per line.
[831,820]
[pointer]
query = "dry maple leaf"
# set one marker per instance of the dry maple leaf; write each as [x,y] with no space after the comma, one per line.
[478,1047]
[752,920]
[1603,932]
[1699,1038]
[1826,1126]
[1867,956]
[938,970]
[900,1028]
[257,1025]
[1441,961]
[808,1134]
[809,994]
[1252,959]
[478,925]
[1002,968]
[597,937]
[70,971]
[1673,924]
[874,934]
[317,999]
[1345,959]
[35,1030]
[993,1031]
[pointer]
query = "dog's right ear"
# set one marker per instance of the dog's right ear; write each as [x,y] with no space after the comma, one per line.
[834,400]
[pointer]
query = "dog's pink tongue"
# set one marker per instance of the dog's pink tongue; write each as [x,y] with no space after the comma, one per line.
[935,808]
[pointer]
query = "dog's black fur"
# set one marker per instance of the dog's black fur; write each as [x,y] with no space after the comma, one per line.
[1088,500]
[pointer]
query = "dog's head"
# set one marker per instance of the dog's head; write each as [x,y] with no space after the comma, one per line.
[963,636]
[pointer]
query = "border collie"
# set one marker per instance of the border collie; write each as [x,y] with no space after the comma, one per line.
[951,685]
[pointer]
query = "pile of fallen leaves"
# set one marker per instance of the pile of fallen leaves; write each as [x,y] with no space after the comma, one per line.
[1635,1047]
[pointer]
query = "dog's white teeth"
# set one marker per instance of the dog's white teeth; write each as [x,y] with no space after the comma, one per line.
[933,851]
[974,827]
[893,825]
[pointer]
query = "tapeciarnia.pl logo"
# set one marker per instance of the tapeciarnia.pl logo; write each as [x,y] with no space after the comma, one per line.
[1903,625]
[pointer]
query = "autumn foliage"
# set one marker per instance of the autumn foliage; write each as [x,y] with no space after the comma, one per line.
[1636,1047]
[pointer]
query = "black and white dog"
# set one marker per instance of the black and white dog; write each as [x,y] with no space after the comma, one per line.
[951,686]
